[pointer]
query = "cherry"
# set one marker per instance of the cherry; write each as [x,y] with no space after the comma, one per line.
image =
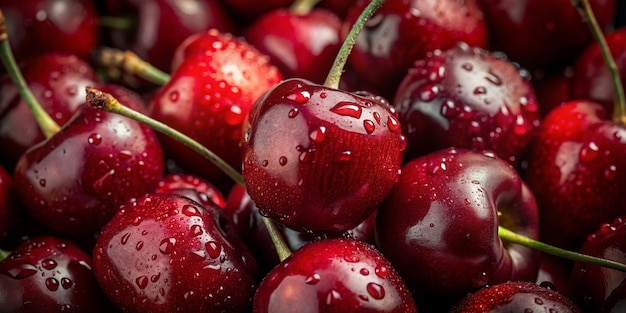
[251,9]
[58,82]
[161,25]
[339,275]
[592,285]
[10,209]
[467,97]
[181,257]
[209,97]
[515,297]
[439,225]
[112,158]
[48,26]
[300,130]
[403,31]
[301,45]
[47,274]
[206,190]
[541,33]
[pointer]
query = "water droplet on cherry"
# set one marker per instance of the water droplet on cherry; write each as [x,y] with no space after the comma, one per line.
[52,284]
[347,109]
[167,245]
[313,279]
[141,281]
[369,126]
[376,291]
[49,264]
[213,248]
[94,139]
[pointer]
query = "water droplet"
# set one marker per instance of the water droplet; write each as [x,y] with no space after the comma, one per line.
[300,97]
[234,115]
[66,283]
[196,230]
[282,160]
[265,163]
[333,297]
[213,248]
[344,156]
[155,278]
[174,96]
[52,284]
[528,311]
[142,281]
[376,291]
[125,154]
[520,128]
[480,90]
[318,135]
[610,172]
[188,294]
[305,156]
[94,139]
[467,66]
[49,264]
[493,78]
[323,95]
[428,93]
[313,279]
[364,272]
[293,113]
[369,126]
[381,271]
[124,239]
[167,245]
[139,245]
[448,108]
[22,271]
[347,109]
[42,182]
[136,221]
[351,258]
[393,124]
[538,301]
[588,152]
[191,210]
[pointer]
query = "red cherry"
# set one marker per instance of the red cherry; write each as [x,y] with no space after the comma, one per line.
[439,225]
[320,159]
[209,97]
[466,97]
[45,26]
[166,253]
[10,209]
[340,275]
[206,190]
[46,274]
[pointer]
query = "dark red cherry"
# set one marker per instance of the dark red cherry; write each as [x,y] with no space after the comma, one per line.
[166,253]
[320,159]
[205,189]
[43,26]
[10,209]
[467,97]
[47,274]
[338,275]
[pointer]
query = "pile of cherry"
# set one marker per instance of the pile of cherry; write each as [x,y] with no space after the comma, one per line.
[388,184]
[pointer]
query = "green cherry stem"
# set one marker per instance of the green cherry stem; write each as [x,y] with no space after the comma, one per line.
[619,111]
[4,254]
[332,80]
[47,125]
[106,102]
[114,22]
[512,237]
[130,63]
[303,7]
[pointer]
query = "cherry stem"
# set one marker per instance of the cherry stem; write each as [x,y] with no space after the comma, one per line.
[619,111]
[332,80]
[114,22]
[106,102]
[303,7]
[512,237]
[4,254]
[130,63]
[47,125]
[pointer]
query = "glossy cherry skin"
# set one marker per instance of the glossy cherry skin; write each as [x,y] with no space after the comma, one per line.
[466,97]
[247,221]
[47,274]
[591,79]
[10,209]
[37,27]
[336,275]
[209,98]
[205,189]
[577,171]
[320,159]
[401,32]
[515,297]
[113,159]
[540,33]
[166,253]
[592,284]
[58,82]
[439,225]
[300,45]
[161,25]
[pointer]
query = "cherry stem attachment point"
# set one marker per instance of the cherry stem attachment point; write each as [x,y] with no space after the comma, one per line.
[130,63]
[4,254]
[106,102]
[303,7]
[47,125]
[115,22]
[334,76]
[619,111]
[512,237]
